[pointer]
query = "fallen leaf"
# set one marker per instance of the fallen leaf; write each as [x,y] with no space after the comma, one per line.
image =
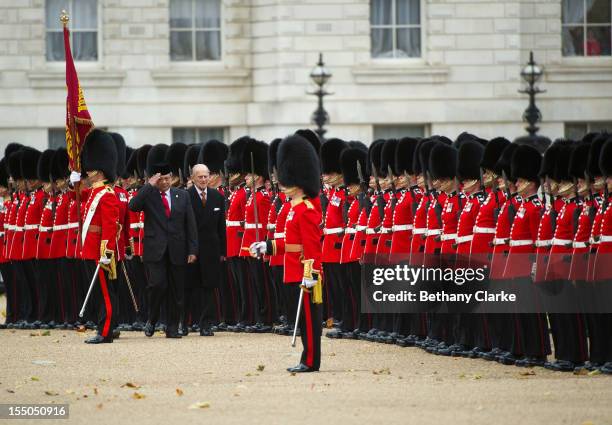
[477,377]
[130,385]
[81,329]
[10,391]
[95,391]
[99,406]
[34,378]
[138,396]
[462,375]
[261,367]
[46,333]
[588,423]
[332,354]
[69,391]
[200,405]
[595,372]
[179,392]
[582,371]
[527,373]
[52,393]
[293,373]
[56,340]
[329,323]
[383,371]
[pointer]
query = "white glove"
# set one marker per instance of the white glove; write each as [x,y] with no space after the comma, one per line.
[308,283]
[75,176]
[104,260]
[258,249]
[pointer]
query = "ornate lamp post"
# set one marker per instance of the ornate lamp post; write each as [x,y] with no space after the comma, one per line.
[531,74]
[320,76]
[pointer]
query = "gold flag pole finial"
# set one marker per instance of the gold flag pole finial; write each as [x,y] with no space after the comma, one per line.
[64,18]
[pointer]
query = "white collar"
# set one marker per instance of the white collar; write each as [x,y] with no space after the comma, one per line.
[200,191]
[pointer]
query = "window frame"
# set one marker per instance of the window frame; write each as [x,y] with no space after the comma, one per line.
[193,29]
[587,124]
[98,31]
[197,138]
[425,126]
[394,27]
[584,25]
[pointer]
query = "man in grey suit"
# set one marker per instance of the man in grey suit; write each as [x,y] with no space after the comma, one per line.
[170,243]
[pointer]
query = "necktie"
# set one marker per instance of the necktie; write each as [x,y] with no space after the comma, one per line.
[203,199]
[166,205]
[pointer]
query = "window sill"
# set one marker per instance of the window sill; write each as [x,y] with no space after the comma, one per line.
[56,78]
[205,76]
[400,73]
[580,70]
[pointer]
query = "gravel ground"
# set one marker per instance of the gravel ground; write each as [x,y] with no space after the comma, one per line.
[239,378]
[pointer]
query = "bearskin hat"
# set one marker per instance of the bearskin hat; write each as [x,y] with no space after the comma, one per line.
[387,158]
[131,168]
[259,152]
[156,160]
[141,160]
[594,153]
[3,173]
[526,162]
[312,137]
[59,164]
[330,155]
[590,137]
[578,160]
[43,169]
[504,163]
[99,153]
[298,165]
[11,148]
[272,151]
[562,161]
[442,139]
[416,158]
[443,161]
[348,162]
[374,157]
[540,143]
[175,157]
[13,165]
[492,153]
[467,137]
[29,163]
[120,146]
[550,158]
[128,154]
[191,158]
[234,158]
[424,154]
[358,144]
[404,155]
[213,154]
[469,158]
[605,159]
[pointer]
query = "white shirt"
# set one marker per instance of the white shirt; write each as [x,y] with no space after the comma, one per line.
[205,191]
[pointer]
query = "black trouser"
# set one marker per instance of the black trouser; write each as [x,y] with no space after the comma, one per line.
[264,303]
[90,314]
[209,311]
[138,278]
[364,322]
[48,292]
[569,336]
[33,290]
[500,330]
[600,337]
[282,307]
[125,313]
[310,330]
[334,281]
[292,296]
[8,278]
[228,295]
[70,271]
[23,274]
[275,289]
[103,297]
[240,276]
[166,285]
[530,335]
[351,302]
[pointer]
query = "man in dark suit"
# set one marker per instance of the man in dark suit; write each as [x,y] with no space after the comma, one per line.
[209,209]
[170,241]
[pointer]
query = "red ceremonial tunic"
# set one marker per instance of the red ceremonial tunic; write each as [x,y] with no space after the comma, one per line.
[403,219]
[31,224]
[334,226]
[419,230]
[235,221]
[467,221]
[349,233]
[359,242]
[567,223]
[450,220]
[434,223]
[103,225]
[16,249]
[45,229]
[486,221]
[59,237]
[386,229]
[602,270]
[11,222]
[501,245]
[580,244]
[124,220]
[263,200]
[374,226]
[279,231]
[523,234]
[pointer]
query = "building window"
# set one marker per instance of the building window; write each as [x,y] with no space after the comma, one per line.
[195,30]
[576,130]
[398,131]
[83,29]
[395,28]
[197,135]
[56,138]
[586,27]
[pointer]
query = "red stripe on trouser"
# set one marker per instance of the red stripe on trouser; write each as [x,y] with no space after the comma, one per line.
[107,304]
[309,330]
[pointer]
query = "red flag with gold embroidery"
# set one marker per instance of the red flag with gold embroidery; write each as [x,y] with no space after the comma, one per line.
[78,120]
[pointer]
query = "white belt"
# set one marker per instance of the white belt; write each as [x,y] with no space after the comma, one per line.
[45,229]
[333,231]
[7,226]
[385,230]
[271,226]
[17,228]
[478,229]
[360,228]
[463,239]
[136,225]
[500,241]
[433,232]
[279,235]
[401,227]
[561,242]
[579,245]
[542,244]
[253,225]
[230,223]
[30,227]
[72,226]
[605,238]
[60,227]
[523,242]
[419,231]
[371,231]
[447,237]
[350,231]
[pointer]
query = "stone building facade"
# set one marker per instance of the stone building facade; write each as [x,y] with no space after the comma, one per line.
[255,56]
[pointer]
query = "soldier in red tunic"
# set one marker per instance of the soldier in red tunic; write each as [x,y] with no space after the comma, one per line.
[100,231]
[298,174]
[5,265]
